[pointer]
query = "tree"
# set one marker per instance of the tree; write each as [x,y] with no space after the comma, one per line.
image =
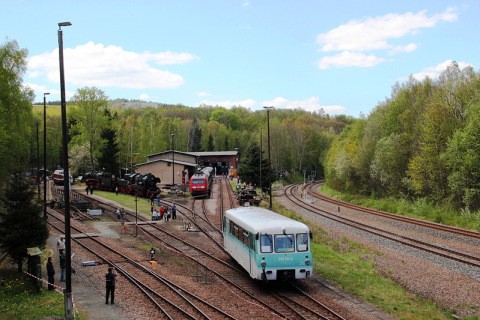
[195,137]
[88,111]
[15,108]
[109,156]
[21,223]
[210,146]
[249,170]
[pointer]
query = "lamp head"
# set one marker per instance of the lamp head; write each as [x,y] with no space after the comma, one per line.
[64,24]
[46,93]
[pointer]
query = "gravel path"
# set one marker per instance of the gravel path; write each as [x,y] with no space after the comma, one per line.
[450,284]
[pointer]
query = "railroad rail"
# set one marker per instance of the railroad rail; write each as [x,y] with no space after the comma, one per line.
[423,223]
[414,243]
[239,280]
[173,306]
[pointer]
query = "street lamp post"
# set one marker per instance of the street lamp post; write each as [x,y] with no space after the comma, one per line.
[304,172]
[173,159]
[45,154]
[135,188]
[269,166]
[260,162]
[66,176]
[38,164]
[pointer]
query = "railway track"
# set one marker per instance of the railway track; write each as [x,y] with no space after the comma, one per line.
[455,255]
[167,296]
[281,304]
[423,223]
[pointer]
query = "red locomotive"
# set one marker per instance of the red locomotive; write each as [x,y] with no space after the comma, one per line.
[201,182]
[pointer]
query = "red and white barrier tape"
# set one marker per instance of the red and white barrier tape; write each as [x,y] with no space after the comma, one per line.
[51,284]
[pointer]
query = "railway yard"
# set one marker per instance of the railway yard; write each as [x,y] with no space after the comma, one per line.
[194,278]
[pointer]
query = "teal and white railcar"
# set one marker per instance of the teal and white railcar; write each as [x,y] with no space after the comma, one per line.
[268,245]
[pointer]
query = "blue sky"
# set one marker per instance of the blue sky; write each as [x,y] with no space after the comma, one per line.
[342,56]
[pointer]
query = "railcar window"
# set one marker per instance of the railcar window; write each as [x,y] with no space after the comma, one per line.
[197,181]
[266,243]
[284,243]
[302,242]
[245,237]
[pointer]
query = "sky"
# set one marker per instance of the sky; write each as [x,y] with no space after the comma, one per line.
[342,56]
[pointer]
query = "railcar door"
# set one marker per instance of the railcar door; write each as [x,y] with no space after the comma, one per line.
[251,255]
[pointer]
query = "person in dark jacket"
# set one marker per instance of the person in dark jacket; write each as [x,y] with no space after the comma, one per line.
[152,199]
[62,264]
[110,285]
[174,212]
[50,273]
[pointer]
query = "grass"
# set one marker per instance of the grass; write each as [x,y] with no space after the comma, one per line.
[51,110]
[352,267]
[20,300]
[420,208]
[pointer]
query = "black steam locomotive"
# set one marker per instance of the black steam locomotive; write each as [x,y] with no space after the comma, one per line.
[145,184]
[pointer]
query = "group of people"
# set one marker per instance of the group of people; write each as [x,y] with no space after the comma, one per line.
[164,213]
[51,270]
[244,186]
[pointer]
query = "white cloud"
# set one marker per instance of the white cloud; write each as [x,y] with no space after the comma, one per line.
[434,72]
[349,59]
[203,94]
[40,90]
[144,96]
[246,4]
[95,65]
[408,48]
[309,105]
[373,33]
[277,102]
[244,103]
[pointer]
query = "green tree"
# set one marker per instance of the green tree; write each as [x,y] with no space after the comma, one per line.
[15,108]
[210,146]
[249,169]
[90,120]
[109,155]
[462,157]
[195,137]
[21,223]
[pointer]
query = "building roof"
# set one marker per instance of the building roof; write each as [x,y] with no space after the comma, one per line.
[214,153]
[189,164]
[169,151]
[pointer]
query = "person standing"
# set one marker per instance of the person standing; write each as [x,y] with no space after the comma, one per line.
[116,190]
[162,212]
[61,244]
[62,264]
[91,189]
[152,199]
[110,285]
[118,215]
[158,199]
[50,273]
[174,212]
[86,189]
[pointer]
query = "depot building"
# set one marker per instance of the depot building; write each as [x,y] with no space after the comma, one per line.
[176,167]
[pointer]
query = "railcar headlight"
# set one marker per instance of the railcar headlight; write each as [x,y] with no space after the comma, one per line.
[264,263]
[307,261]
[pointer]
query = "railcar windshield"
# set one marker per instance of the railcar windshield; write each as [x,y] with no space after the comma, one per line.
[284,243]
[197,181]
[266,243]
[302,242]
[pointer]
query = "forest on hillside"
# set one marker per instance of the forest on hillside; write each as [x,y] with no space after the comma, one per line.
[298,139]
[422,142]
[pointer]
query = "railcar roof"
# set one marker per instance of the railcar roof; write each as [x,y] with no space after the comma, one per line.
[264,221]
